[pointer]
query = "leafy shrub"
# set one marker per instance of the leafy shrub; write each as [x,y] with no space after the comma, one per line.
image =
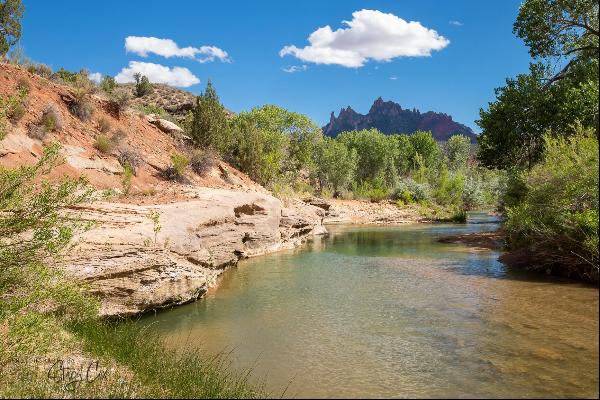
[51,118]
[17,111]
[336,165]
[108,84]
[374,191]
[556,219]
[103,144]
[179,162]
[143,86]
[119,100]
[176,170]
[15,106]
[449,187]
[457,151]
[473,195]
[410,191]
[104,125]
[126,177]
[203,161]
[3,122]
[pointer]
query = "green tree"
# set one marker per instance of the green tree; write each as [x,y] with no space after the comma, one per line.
[209,128]
[526,108]
[301,136]
[377,154]
[559,28]
[405,152]
[108,84]
[457,149]
[336,164]
[11,12]
[258,152]
[424,144]
[143,86]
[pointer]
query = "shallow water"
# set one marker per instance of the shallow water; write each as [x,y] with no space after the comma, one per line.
[390,312]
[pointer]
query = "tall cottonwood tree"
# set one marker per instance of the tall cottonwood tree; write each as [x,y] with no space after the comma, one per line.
[562,35]
[564,29]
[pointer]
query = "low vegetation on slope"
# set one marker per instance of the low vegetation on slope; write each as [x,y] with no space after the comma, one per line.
[52,342]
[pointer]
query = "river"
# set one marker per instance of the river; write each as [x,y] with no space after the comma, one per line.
[390,312]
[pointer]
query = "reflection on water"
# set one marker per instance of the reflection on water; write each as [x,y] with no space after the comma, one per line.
[389,312]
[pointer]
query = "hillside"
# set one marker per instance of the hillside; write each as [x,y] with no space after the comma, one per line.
[175,101]
[207,221]
[390,117]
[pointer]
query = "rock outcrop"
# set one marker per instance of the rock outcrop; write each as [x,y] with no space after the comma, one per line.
[164,125]
[390,118]
[135,264]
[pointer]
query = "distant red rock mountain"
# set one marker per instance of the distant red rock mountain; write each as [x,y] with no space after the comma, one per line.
[390,117]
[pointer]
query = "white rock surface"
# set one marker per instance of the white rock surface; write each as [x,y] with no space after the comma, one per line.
[134,271]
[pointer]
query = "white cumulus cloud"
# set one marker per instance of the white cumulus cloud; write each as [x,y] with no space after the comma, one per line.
[95,77]
[156,73]
[370,35]
[143,46]
[295,68]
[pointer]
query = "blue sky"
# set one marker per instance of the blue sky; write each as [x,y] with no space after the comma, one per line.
[457,78]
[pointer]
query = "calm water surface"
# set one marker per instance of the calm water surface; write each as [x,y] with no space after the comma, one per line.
[389,312]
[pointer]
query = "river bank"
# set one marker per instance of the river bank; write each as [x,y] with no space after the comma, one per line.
[143,257]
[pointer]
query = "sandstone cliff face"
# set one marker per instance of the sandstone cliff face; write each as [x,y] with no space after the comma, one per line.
[134,270]
[389,118]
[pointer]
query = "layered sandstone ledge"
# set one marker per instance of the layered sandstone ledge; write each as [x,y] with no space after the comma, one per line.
[134,264]
[134,269]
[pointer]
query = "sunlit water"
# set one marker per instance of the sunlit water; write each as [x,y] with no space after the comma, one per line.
[390,312]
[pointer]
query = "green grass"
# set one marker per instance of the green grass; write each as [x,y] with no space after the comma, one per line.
[163,372]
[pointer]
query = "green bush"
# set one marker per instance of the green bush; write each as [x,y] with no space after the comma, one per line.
[176,171]
[64,76]
[103,144]
[15,106]
[336,165]
[143,86]
[374,191]
[108,84]
[410,191]
[126,177]
[556,214]
[3,123]
[119,100]
[473,195]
